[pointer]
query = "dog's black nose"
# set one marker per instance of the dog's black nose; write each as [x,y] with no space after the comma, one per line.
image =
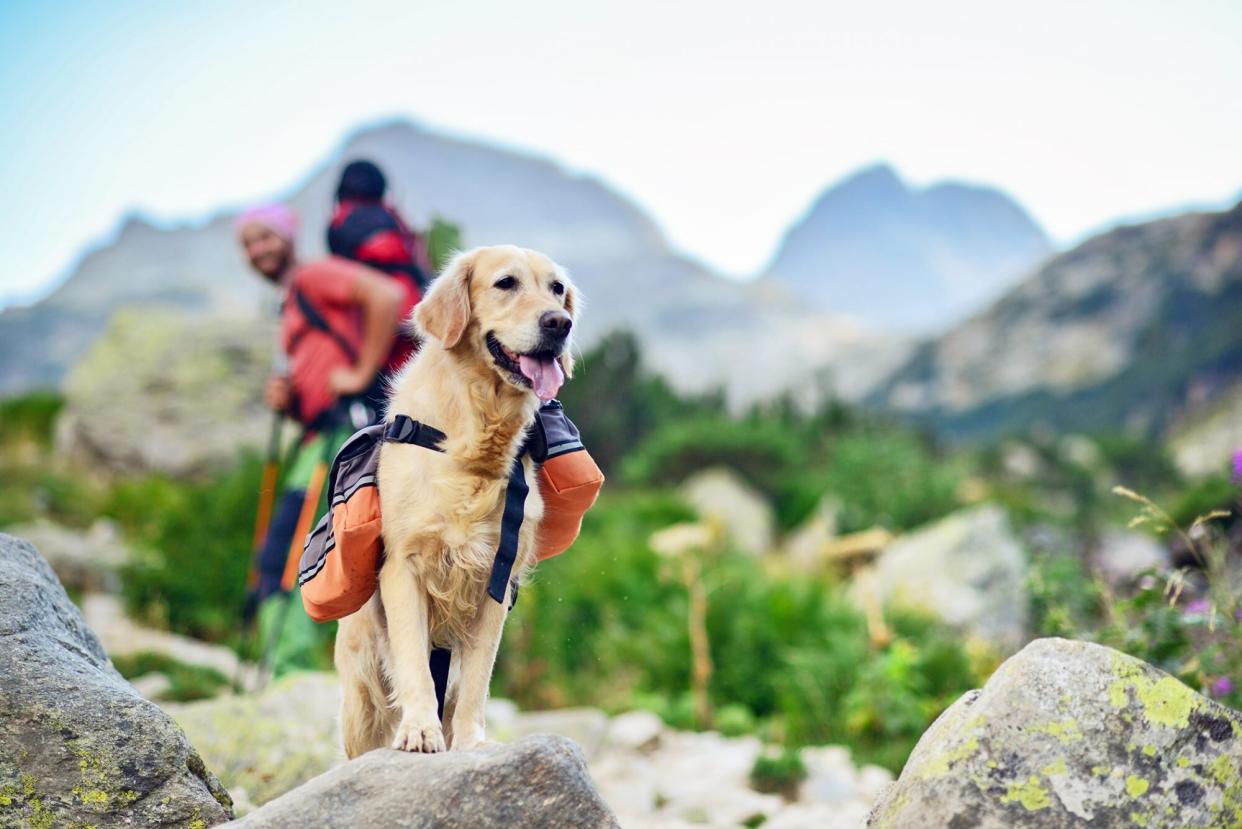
[556,323]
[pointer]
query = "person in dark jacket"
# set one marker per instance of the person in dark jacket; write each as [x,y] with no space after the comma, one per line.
[366,229]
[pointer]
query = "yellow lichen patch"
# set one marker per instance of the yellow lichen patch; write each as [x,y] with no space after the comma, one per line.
[1066,730]
[1223,770]
[939,765]
[1165,701]
[1149,750]
[92,797]
[1139,818]
[1136,786]
[1100,771]
[1055,768]
[1182,762]
[1031,794]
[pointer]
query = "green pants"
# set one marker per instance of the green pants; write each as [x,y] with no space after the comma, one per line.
[291,640]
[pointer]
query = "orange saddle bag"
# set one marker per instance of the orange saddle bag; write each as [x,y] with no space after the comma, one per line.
[340,562]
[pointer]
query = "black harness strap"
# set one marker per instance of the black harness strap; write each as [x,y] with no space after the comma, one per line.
[510,524]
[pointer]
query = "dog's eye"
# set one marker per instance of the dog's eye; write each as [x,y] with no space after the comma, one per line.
[506,283]
[558,288]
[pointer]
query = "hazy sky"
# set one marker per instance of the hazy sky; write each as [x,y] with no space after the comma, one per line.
[722,120]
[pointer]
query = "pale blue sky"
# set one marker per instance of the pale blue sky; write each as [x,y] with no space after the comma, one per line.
[722,120]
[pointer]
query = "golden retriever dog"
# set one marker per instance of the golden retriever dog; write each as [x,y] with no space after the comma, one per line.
[496,329]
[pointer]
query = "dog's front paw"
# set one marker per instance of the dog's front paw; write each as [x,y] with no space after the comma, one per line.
[414,734]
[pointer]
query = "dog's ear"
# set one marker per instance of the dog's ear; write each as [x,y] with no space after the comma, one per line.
[445,312]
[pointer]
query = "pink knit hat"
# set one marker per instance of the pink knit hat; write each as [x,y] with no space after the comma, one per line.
[276,217]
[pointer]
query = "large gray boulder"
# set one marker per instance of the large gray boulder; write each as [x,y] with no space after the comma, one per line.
[78,745]
[967,569]
[1073,734]
[536,782]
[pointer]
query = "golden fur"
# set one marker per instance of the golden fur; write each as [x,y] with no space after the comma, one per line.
[442,511]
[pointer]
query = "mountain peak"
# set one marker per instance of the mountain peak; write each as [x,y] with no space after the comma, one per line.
[907,260]
[876,184]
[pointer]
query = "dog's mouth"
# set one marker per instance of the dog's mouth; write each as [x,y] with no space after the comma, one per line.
[539,370]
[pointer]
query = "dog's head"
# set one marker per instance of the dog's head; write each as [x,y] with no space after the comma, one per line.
[511,307]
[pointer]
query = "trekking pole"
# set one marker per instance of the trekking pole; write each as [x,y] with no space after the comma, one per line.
[267,493]
[262,520]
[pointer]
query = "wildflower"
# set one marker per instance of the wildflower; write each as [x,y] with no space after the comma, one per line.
[1198,607]
[1237,467]
[1222,687]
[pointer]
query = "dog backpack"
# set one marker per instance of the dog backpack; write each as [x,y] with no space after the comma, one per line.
[340,562]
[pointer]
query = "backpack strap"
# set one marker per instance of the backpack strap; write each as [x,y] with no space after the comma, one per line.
[316,320]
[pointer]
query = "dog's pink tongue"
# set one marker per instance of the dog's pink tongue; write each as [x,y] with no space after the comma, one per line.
[545,375]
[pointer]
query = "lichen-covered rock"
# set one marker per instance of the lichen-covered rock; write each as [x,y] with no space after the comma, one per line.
[78,746]
[1073,734]
[536,782]
[167,391]
[262,745]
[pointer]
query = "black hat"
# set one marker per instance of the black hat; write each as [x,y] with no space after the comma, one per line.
[361,181]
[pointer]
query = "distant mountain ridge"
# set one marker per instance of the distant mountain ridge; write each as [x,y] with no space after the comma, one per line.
[698,328]
[903,260]
[1138,328]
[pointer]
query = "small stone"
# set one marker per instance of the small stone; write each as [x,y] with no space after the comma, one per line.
[635,731]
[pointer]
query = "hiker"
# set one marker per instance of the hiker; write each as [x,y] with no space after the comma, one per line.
[366,229]
[338,322]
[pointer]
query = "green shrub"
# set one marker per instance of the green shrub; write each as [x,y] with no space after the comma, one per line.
[734,720]
[761,451]
[443,239]
[1064,597]
[30,417]
[604,625]
[193,549]
[890,479]
[778,773]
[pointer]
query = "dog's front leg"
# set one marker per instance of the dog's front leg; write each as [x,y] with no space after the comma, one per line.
[406,611]
[477,660]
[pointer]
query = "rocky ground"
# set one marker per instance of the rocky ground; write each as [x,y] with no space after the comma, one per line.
[262,745]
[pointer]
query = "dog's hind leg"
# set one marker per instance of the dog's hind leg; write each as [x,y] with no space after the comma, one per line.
[409,641]
[477,660]
[367,720]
